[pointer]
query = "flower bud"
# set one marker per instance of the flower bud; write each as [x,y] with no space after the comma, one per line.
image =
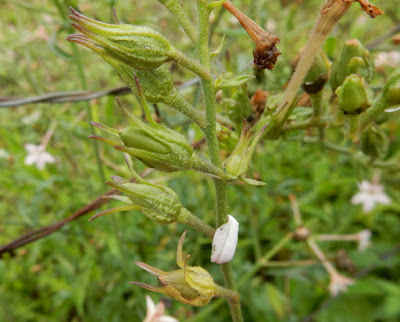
[354,95]
[239,160]
[302,233]
[159,203]
[354,59]
[136,46]
[317,75]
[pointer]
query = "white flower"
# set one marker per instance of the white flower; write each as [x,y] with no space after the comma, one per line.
[156,313]
[225,241]
[38,155]
[387,58]
[364,239]
[31,118]
[339,283]
[370,194]
[4,154]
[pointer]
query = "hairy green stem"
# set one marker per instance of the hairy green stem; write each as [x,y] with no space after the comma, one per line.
[181,16]
[210,132]
[177,102]
[196,223]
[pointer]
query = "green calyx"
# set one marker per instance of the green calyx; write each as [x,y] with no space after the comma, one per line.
[354,59]
[157,84]
[354,95]
[136,46]
[156,146]
[159,203]
[317,75]
[391,90]
[239,160]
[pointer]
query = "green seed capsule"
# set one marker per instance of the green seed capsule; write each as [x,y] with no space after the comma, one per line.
[354,95]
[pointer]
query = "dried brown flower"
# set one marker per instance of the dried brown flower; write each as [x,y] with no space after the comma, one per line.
[265,54]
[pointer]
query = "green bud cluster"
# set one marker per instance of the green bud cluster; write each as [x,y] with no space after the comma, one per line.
[354,95]
[136,46]
[354,59]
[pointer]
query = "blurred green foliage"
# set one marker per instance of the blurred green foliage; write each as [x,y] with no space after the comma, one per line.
[81,272]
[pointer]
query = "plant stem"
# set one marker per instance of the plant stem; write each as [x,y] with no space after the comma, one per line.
[199,225]
[330,14]
[210,132]
[181,16]
[316,102]
[176,101]
[265,258]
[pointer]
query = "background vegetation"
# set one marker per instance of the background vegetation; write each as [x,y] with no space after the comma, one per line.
[81,272]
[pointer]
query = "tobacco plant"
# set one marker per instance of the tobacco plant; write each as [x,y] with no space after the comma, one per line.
[142,57]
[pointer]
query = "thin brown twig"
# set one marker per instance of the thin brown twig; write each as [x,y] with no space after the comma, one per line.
[47,230]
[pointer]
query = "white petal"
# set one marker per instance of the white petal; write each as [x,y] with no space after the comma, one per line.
[358,198]
[369,204]
[150,305]
[225,241]
[30,159]
[167,318]
[383,199]
[31,148]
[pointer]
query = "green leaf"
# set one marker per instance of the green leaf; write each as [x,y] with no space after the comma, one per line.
[236,81]
[276,300]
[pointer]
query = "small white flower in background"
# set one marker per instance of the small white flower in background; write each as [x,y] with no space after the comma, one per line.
[364,239]
[339,283]
[224,241]
[387,58]
[370,194]
[37,155]
[31,118]
[4,154]
[156,313]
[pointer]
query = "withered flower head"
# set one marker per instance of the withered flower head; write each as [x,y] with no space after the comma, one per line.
[265,54]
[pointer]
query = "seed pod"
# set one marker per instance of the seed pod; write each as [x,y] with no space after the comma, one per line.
[136,46]
[157,147]
[159,203]
[354,95]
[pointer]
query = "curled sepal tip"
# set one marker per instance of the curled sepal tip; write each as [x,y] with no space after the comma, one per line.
[189,284]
